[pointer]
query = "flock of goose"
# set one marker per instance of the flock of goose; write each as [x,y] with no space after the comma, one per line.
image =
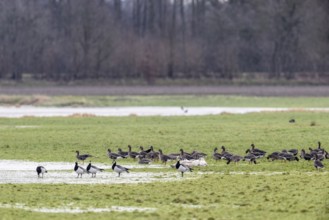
[252,154]
[185,161]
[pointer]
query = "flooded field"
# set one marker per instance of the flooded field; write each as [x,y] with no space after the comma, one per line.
[25,111]
[23,172]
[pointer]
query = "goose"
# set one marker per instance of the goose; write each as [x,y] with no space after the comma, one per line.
[112,155]
[317,163]
[287,156]
[174,156]
[132,154]
[122,153]
[274,156]
[143,153]
[83,156]
[292,151]
[182,168]
[250,158]
[119,169]
[313,152]
[319,146]
[93,170]
[305,156]
[225,155]
[79,170]
[184,155]
[41,170]
[255,153]
[234,158]
[254,150]
[216,155]
[164,158]
[152,154]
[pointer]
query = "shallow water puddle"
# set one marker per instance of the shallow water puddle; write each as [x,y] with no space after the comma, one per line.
[79,210]
[23,172]
[31,165]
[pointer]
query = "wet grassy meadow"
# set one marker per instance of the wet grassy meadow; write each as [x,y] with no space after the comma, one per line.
[271,190]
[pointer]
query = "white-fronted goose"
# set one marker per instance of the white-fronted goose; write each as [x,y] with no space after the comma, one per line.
[152,154]
[82,156]
[184,155]
[255,153]
[250,158]
[234,158]
[112,155]
[305,156]
[225,155]
[287,156]
[122,153]
[164,158]
[317,163]
[132,154]
[254,149]
[274,156]
[216,155]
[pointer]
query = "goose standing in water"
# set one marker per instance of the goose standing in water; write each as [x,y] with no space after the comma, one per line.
[93,170]
[119,169]
[41,170]
[182,168]
[79,170]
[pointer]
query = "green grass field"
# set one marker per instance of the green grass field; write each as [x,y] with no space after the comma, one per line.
[173,100]
[298,191]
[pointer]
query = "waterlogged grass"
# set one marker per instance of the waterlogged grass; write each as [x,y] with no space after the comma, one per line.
[57,139]
[267,190]
[175,100]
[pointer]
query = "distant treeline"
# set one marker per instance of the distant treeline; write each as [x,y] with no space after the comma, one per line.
[151,39]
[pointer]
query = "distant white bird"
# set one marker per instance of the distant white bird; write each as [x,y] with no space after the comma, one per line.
[79,170]
[182,168]
[93,170]
[193,163]
[41,170]
[119,169]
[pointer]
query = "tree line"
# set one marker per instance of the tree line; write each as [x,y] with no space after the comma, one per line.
[174,39]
